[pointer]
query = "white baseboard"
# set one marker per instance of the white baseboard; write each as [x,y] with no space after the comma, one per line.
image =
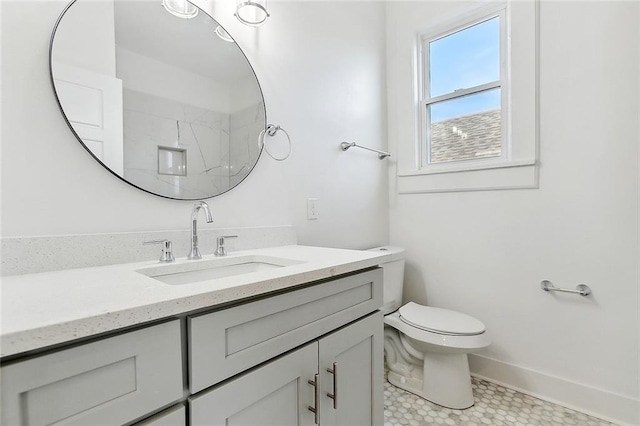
[595,402]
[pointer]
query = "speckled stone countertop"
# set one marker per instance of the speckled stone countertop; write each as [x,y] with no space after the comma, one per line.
[44,309]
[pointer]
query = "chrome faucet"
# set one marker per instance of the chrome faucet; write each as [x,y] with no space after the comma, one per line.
[195,252]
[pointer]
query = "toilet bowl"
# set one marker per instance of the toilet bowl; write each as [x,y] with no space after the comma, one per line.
[426,347]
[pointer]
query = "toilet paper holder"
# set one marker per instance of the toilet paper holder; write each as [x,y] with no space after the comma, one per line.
[581,289]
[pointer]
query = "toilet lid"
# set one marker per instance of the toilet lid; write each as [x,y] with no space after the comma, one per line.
[441,321]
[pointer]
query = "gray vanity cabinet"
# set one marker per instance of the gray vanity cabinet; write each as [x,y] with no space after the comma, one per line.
[108,382]
[248,364]
[339,375]
[174,416]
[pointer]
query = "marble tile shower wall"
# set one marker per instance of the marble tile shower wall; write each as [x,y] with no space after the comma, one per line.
[245,127]
[150,121]
[43,254]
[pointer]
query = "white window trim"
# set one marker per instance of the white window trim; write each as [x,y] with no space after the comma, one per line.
[518,165]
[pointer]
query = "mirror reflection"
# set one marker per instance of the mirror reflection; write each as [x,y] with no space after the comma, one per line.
[170,105]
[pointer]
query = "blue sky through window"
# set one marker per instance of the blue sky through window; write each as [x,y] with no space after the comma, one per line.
[464,59]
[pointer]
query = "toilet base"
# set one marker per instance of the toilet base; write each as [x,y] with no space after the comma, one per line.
[445,380]
[440,377]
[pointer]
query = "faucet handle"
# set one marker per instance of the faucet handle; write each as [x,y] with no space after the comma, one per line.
[167,251]
[220,250]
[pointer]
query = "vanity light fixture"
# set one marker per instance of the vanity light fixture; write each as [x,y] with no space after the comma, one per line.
[252,12]
[180,8]
[220,32]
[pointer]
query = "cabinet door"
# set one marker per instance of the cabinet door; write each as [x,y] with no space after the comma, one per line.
[277,393]
[352,392]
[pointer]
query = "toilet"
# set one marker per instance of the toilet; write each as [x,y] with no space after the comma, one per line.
[425,347]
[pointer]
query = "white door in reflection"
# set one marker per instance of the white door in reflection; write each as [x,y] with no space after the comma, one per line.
[93,105]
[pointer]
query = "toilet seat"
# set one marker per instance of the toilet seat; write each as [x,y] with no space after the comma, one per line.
[440,321]
[437,341]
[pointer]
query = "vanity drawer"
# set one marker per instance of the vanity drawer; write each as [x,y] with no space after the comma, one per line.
[110,381]
[226,342]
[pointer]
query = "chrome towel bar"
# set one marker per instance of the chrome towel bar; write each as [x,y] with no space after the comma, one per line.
[581,289]
[381,154]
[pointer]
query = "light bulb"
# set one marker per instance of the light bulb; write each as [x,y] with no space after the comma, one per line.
[252,12]
[180,8]
[220,32]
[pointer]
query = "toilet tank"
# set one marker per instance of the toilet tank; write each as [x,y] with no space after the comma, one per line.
[393,278]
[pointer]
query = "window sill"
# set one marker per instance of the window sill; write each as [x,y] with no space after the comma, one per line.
[495,176]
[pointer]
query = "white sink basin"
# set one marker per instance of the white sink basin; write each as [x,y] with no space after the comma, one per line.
[205,270]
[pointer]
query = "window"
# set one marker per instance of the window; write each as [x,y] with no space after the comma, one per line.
[475,101]
[463,107]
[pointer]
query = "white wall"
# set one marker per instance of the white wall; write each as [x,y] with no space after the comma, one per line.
[485,253]
[321,66]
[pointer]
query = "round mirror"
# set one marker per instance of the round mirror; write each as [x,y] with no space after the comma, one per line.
[159,94]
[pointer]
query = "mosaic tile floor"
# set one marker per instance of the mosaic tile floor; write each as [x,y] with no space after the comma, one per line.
[495,405]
